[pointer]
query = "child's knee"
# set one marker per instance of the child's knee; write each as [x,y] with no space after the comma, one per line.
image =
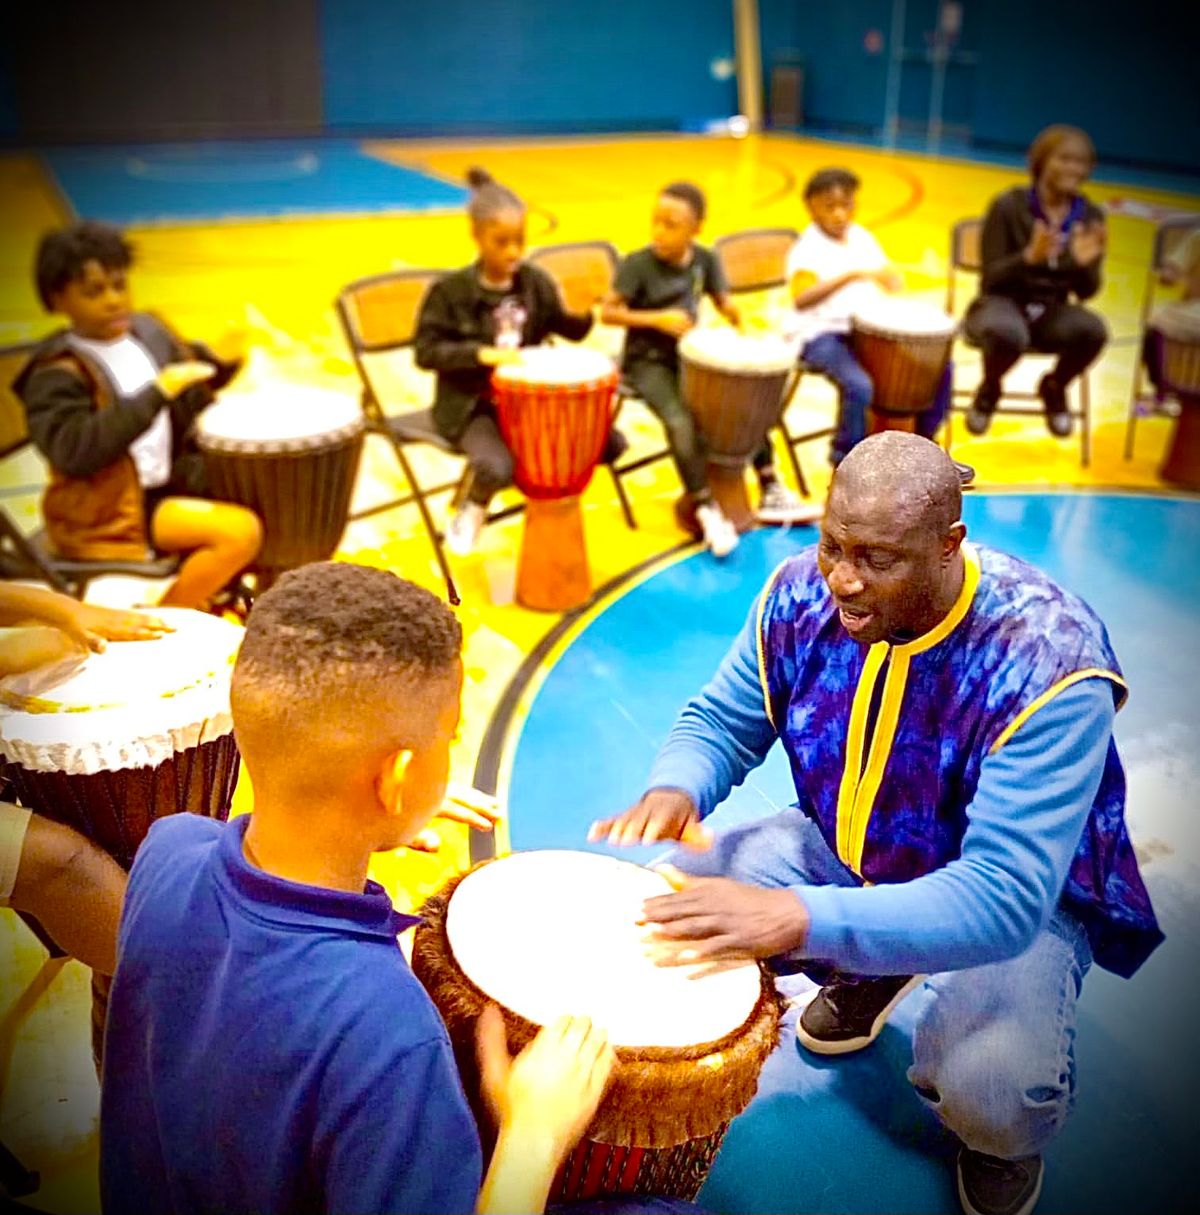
[241,533]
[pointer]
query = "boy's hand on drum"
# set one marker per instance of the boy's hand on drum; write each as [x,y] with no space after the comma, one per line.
[176,378]
[231,344]
[470,806]
[498,356]
[92,626]
[662,814]
[717,920]
[551,1090]
[888,278]
[675,321]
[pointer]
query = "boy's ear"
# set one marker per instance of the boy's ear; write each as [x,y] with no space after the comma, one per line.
[389,784]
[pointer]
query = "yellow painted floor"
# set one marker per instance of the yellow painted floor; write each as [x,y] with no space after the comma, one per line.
[281,276]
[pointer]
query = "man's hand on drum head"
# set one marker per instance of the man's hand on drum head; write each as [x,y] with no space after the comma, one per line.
[176,378]
[551,1090]
[717,921]
[497,356]
[662,814]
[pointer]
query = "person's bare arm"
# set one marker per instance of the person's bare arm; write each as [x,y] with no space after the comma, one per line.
[808,290]
[74,889]
[675,321]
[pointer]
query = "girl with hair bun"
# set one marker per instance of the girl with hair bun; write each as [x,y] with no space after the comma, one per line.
[476,319]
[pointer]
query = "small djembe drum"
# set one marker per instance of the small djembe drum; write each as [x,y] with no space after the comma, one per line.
[733,383]
[541,934]
[292,459]
[904,346]
[555,410]
[1178,324]
[112,742]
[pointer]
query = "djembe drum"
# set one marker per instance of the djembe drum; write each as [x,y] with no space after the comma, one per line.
[1179,326]
[541,934]
[904,346]
[292,459]
[111,743]
[555,410]
[733,383]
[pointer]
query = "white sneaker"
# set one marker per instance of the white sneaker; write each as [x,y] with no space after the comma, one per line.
[780,505]
[719,534]
[463,532]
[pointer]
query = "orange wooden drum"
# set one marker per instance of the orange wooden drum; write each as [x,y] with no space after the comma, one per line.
[541,934]
[1179,325]
[733,383]
[555,410]
[904,346]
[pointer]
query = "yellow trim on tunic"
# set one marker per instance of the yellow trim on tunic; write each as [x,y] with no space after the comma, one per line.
[1050,693]
[855,738]
[760,645]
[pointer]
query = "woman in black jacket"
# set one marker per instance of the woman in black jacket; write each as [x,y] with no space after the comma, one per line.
[1042,250]
[476,319]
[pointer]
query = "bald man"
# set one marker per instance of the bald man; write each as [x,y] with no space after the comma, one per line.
[947,713]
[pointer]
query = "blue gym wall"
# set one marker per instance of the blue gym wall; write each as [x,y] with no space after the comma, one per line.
[466,66]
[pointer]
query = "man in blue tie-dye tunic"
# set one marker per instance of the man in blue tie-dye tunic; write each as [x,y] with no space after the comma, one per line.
[947,713]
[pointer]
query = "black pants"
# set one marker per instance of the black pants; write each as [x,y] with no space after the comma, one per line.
[491,461]
[658,385]
[1005,330]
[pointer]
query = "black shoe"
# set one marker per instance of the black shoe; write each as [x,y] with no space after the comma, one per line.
[966,474]
[988,1185]
[848,1014]
[1054,399]
[979,416]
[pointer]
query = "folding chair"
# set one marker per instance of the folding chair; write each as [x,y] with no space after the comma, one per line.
[31,557]
[584,271]
[1168,237]
[756,260]
[966,257]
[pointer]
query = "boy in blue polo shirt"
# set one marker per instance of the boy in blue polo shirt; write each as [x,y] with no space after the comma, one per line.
[268,1047]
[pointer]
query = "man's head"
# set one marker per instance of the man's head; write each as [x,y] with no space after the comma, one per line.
[830,195]
[81,271]
[678,214]
[346,694]
[891,537]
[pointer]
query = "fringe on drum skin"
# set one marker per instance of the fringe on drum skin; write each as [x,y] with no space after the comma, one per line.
[658,1096]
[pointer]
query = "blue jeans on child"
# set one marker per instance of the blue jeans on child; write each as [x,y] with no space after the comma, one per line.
[832,355]
[993,1050]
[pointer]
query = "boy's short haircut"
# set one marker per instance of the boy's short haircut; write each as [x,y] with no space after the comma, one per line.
[334,621]
[62,255]
[690,193]
[824,180]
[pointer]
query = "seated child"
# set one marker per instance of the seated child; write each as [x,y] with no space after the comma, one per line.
[475,319]
[656,297]
[833,269]
[110,402]
[268,1048]
[1181,268]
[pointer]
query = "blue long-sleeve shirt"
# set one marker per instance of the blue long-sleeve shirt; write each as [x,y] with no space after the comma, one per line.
[1023,827]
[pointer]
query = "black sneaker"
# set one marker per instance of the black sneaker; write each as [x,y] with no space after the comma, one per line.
[979,416]
[988,1185]
[1054,399]
[848,1014]
[966,474]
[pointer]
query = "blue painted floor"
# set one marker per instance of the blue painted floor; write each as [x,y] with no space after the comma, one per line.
[224,180]
[849,1135]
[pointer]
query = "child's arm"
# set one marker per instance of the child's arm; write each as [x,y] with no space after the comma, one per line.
[574,326]
[675,321]
[728,309]
[439,344]
[79,440]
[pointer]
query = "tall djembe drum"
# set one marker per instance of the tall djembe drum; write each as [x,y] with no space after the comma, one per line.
[541,934]
[112,742]
[904,346]
[1178,324]
[733,383]
[291,455]
[555,410]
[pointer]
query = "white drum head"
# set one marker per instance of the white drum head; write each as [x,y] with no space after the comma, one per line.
[904,318]
[729,350]
[281,418]
[135,703]
[548,933]
[557,365]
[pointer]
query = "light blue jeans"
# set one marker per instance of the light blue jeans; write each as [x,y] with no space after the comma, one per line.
[994,1048]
